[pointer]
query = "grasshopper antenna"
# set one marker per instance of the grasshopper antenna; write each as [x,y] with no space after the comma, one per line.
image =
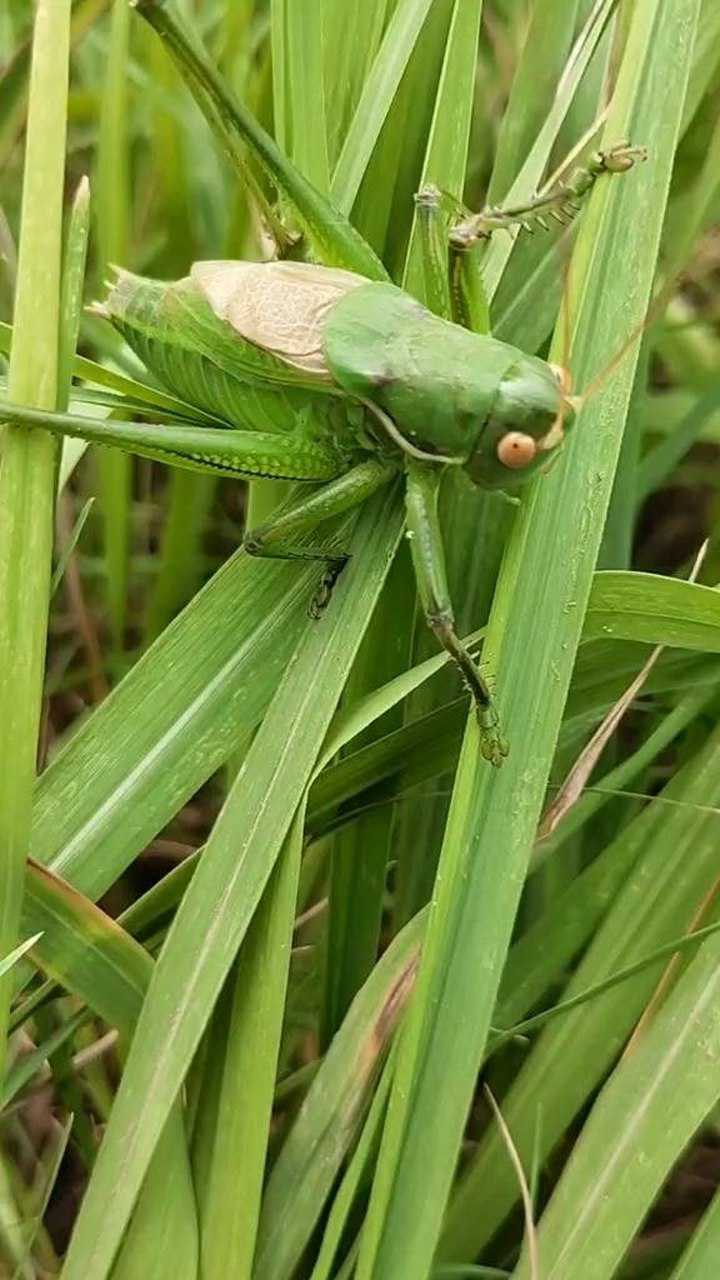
[657,305]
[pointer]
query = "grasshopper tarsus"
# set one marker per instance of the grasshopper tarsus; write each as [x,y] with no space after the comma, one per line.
[322,597]
[494,747]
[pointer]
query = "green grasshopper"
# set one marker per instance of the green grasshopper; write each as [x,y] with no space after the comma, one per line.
[325,376]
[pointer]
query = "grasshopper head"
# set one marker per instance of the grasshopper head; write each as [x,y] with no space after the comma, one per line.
[525,427]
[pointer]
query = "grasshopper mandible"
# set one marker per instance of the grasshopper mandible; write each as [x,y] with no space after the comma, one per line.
[322,375]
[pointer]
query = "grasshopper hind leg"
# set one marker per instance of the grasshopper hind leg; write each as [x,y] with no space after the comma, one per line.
[493,745]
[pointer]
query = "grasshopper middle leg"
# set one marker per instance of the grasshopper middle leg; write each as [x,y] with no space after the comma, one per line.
[275,539]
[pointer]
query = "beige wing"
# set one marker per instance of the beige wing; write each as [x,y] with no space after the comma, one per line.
[280,306]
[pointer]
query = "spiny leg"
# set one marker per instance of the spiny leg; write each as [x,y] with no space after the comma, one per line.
[218,450]
[275,538]
[561,202]
[426,545]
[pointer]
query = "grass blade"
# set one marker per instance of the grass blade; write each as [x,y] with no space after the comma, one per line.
[376,99]
[543,591]
[218,906]
[231,1200]
[27,475]
[639,1126]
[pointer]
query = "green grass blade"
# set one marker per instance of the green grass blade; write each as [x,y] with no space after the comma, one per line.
[376,99]
[112,207]
[542,593]
[643,1120]
[27,474]
[360,852]
[335,241]
[231,1200]
[652,608]
[332,1111]
[220,902]
[527,181]
[549,36]
[306,93]
[180,569]
[73,281]
[352,1178]
[88,954]
[665,952]
[653,878]
[351,37]
[384,205]
[152,744]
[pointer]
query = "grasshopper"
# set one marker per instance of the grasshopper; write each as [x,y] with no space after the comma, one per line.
[332,378]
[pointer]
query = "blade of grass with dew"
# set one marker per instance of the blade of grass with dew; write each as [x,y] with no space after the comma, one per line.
[670,859]
[27,475]
[641,1123]
[221,899]
[542,593]
[635,606]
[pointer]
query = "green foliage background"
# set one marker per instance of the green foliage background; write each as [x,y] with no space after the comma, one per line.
[285,923]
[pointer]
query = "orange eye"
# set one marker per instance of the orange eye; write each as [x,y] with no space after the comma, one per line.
[516,450]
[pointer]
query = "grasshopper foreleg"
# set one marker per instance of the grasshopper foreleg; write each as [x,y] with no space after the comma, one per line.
[561,202]
[429,561]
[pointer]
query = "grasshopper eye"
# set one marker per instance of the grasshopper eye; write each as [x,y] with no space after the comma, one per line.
[516,450]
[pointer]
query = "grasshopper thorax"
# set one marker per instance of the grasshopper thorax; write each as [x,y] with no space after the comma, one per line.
[448,393]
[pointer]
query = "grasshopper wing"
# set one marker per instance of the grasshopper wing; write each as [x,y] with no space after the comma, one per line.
[278,306]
